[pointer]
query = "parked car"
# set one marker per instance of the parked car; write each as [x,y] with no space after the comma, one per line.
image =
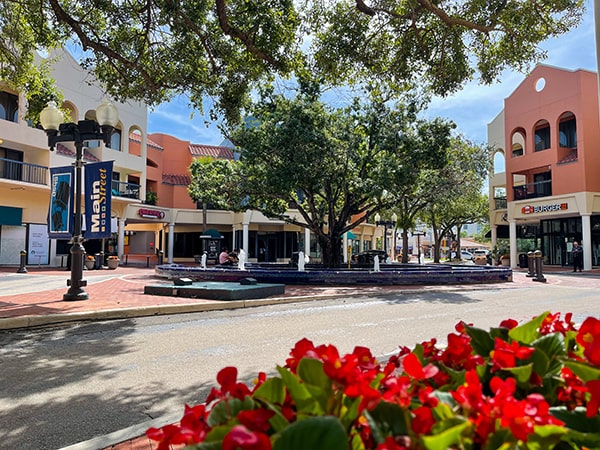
[464,255]
[482,252]
[368,256]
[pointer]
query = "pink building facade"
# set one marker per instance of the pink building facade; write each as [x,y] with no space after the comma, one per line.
[549,134]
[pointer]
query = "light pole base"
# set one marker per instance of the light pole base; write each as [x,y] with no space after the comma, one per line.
[75,295]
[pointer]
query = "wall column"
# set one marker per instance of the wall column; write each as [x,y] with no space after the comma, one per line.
[121,238]
[586,229]
[245,238]
[307,241]
[171,242]
[512,233]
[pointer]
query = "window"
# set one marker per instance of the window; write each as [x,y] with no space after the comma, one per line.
[9,107]
[542,136]
[115,140]
[567,133]
[517,150]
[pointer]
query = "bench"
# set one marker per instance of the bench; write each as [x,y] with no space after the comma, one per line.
[137,256]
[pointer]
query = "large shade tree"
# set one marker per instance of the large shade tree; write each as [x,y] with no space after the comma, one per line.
[154,50]
[329,166]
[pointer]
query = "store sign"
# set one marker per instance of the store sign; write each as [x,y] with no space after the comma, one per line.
[537,209]
[151,213]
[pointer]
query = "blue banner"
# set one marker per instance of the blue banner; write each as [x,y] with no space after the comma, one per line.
[98,178]
[60,214]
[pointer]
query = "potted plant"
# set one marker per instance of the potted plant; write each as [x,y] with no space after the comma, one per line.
[501,254]
[112,262]
[151,198]
[90,262]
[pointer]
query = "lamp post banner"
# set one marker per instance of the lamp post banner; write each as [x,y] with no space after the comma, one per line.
[98,198]
[60,213]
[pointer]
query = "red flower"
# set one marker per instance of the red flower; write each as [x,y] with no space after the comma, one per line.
[505,355]
[240,438]
[391,444]
[256,419]
[304,348]
[459,353]
[594,403]
[589,338]
[227,378]
[192,429]
[423,420]
[572,394]
[553,324]
[414,368]
[509,323]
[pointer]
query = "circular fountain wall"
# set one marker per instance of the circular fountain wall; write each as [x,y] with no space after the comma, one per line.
[388,274]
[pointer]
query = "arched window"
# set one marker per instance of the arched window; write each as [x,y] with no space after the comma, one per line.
[542,135]
[567,130]
[9,107]
[518,142]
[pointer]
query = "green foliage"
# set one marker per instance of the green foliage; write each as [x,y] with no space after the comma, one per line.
[152,51]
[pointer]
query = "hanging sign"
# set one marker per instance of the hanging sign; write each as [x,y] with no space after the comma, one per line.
[60,214]
[98,199]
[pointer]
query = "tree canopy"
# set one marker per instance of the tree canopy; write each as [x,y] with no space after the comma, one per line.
[153,50]
[332,166]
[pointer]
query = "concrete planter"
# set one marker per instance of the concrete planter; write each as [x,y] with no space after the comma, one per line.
[112,263]
[89,264]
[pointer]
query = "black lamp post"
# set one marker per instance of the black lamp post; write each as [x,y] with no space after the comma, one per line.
[85,130]
[418,234]
[386,224]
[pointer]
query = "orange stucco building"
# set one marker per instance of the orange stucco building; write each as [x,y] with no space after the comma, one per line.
[549,195]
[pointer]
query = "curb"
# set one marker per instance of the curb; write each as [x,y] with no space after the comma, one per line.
[125,434]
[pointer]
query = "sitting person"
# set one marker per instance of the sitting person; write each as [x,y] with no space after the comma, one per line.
[233,257]
[224,257]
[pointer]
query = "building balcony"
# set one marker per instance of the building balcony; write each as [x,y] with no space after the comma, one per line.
[25,172]
[533,190]
[124,189]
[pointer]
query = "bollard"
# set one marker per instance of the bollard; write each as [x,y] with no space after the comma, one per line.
[161,255]
[539,276]
[530,264]
[22,268]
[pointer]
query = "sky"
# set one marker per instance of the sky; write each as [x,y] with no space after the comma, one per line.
[471,109]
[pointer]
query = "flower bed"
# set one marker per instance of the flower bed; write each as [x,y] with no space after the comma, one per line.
[529,386]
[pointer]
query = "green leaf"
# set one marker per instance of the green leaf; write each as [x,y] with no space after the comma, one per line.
[576,420]
[583,370]
[272,391]
[446,439]
[303,398]
[385,419]
[545,437]
[528,332]
[552,347]
[521,373]
[481,341]
[226,410]
[315,433]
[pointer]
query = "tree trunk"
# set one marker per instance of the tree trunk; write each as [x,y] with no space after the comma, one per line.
[330,248]
[405,249]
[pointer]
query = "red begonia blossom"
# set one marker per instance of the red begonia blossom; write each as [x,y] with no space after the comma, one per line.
[589,338]
[594,402]
[240,438]
[505,355]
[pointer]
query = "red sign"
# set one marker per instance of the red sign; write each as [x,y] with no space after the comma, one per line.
[530,209]
[151,213]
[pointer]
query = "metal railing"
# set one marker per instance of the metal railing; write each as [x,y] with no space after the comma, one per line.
[26,172]
[125,189]
[533,190]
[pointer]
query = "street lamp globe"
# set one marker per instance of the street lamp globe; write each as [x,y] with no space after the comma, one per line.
[51,117]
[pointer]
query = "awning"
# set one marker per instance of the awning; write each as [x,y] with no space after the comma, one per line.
[211,233]
[350,235]
[11,216]
[501,232]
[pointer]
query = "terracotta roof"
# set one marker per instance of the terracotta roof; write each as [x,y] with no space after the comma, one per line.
[179,180]
[570,157]
[136,137]
[216,151]
[63,150]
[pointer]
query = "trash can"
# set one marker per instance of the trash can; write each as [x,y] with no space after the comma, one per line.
[98,263]
[523,261]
